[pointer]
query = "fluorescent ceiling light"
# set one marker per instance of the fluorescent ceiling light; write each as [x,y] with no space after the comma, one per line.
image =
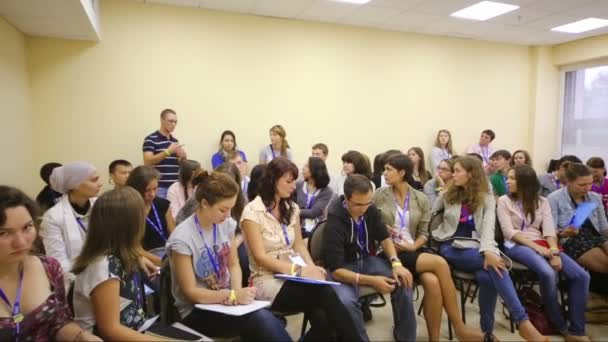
[582,25]
[356,2]
[484,10]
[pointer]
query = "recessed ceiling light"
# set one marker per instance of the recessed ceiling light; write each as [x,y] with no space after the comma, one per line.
[484,10]
[356,2]
[582,25]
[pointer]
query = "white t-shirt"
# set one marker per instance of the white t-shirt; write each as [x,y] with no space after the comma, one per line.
[186,240]
[105,268]
[268,154]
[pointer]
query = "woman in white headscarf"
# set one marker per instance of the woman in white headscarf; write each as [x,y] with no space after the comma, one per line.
[64,226]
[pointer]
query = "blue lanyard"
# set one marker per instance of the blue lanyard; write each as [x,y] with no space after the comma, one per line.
[504,181]
[309,199]
[244,185]
[558,184]
[79,221]
[139,302]
[16,308]
[213,257]
[272,151]
[361,236]
[406,207]
[485,154]
[524,223]
[158,227]
[445,154]
[284,226]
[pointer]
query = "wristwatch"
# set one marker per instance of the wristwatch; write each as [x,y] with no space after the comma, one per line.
[394,259]
[554,251]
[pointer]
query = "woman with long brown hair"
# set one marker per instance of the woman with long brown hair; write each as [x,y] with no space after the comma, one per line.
[529,232]
[467,243]
[107,270]
[420,175]
[407,212]
[271,225]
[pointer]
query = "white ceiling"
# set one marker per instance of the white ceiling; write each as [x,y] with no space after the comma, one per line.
[69,19]
[529,25]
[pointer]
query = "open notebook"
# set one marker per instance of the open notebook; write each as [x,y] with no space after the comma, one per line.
[235,310]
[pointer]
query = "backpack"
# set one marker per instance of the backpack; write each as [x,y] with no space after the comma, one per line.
[532,302]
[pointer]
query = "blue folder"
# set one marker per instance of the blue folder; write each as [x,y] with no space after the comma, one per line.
[582,213]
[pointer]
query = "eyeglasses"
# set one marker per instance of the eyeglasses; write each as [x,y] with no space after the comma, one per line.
[355,204]
[171,121]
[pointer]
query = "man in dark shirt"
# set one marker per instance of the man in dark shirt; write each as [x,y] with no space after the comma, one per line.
[354,229]
[164,152]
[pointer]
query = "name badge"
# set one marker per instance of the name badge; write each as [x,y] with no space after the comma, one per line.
[309,225]
[509,244]
[297,259]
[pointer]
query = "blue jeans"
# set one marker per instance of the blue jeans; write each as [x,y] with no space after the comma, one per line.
[259,325]
[404,316]
[162,192]
[490,285]
[578,284]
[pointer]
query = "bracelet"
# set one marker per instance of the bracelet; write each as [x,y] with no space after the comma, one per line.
[78,336]
[396,264]
[232,296]
[293,270]
[357,276]
[168,153]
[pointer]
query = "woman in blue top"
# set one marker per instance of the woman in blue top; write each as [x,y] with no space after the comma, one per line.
[467,243]
[227,145]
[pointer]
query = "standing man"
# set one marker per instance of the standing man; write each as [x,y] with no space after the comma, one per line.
[164,152]
[354,230]
[483,148]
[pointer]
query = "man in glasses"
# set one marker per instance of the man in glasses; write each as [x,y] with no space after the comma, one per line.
[163,151]
[353,233]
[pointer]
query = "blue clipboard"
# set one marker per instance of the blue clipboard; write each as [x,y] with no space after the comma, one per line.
[304,280]
[582,213]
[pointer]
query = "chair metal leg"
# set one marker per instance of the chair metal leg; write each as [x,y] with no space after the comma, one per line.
[474,294]
[304,325]
[420,308]
[463,302]
[450,330]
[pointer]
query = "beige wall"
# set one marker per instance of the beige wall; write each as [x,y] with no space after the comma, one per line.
[352,88]
[18,168]
[583,50]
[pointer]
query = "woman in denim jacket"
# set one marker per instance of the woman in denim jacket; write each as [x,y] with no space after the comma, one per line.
[587,244]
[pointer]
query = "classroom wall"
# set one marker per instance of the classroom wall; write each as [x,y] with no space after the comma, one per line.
[17,162]
[582,50]
[352,88]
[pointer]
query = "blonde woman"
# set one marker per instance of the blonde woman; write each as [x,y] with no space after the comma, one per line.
[279,147]
[442,149]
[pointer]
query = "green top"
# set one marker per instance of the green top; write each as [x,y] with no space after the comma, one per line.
[499,183]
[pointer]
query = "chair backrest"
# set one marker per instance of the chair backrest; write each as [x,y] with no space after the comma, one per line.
[498,237]
[70,297]
[315,241]
[168,311]
[436,221]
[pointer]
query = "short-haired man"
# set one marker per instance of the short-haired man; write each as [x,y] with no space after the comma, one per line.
[502,162]
[163,151]
[237,159]
[119,170]
[483,148]
[320,150]
[354,229]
